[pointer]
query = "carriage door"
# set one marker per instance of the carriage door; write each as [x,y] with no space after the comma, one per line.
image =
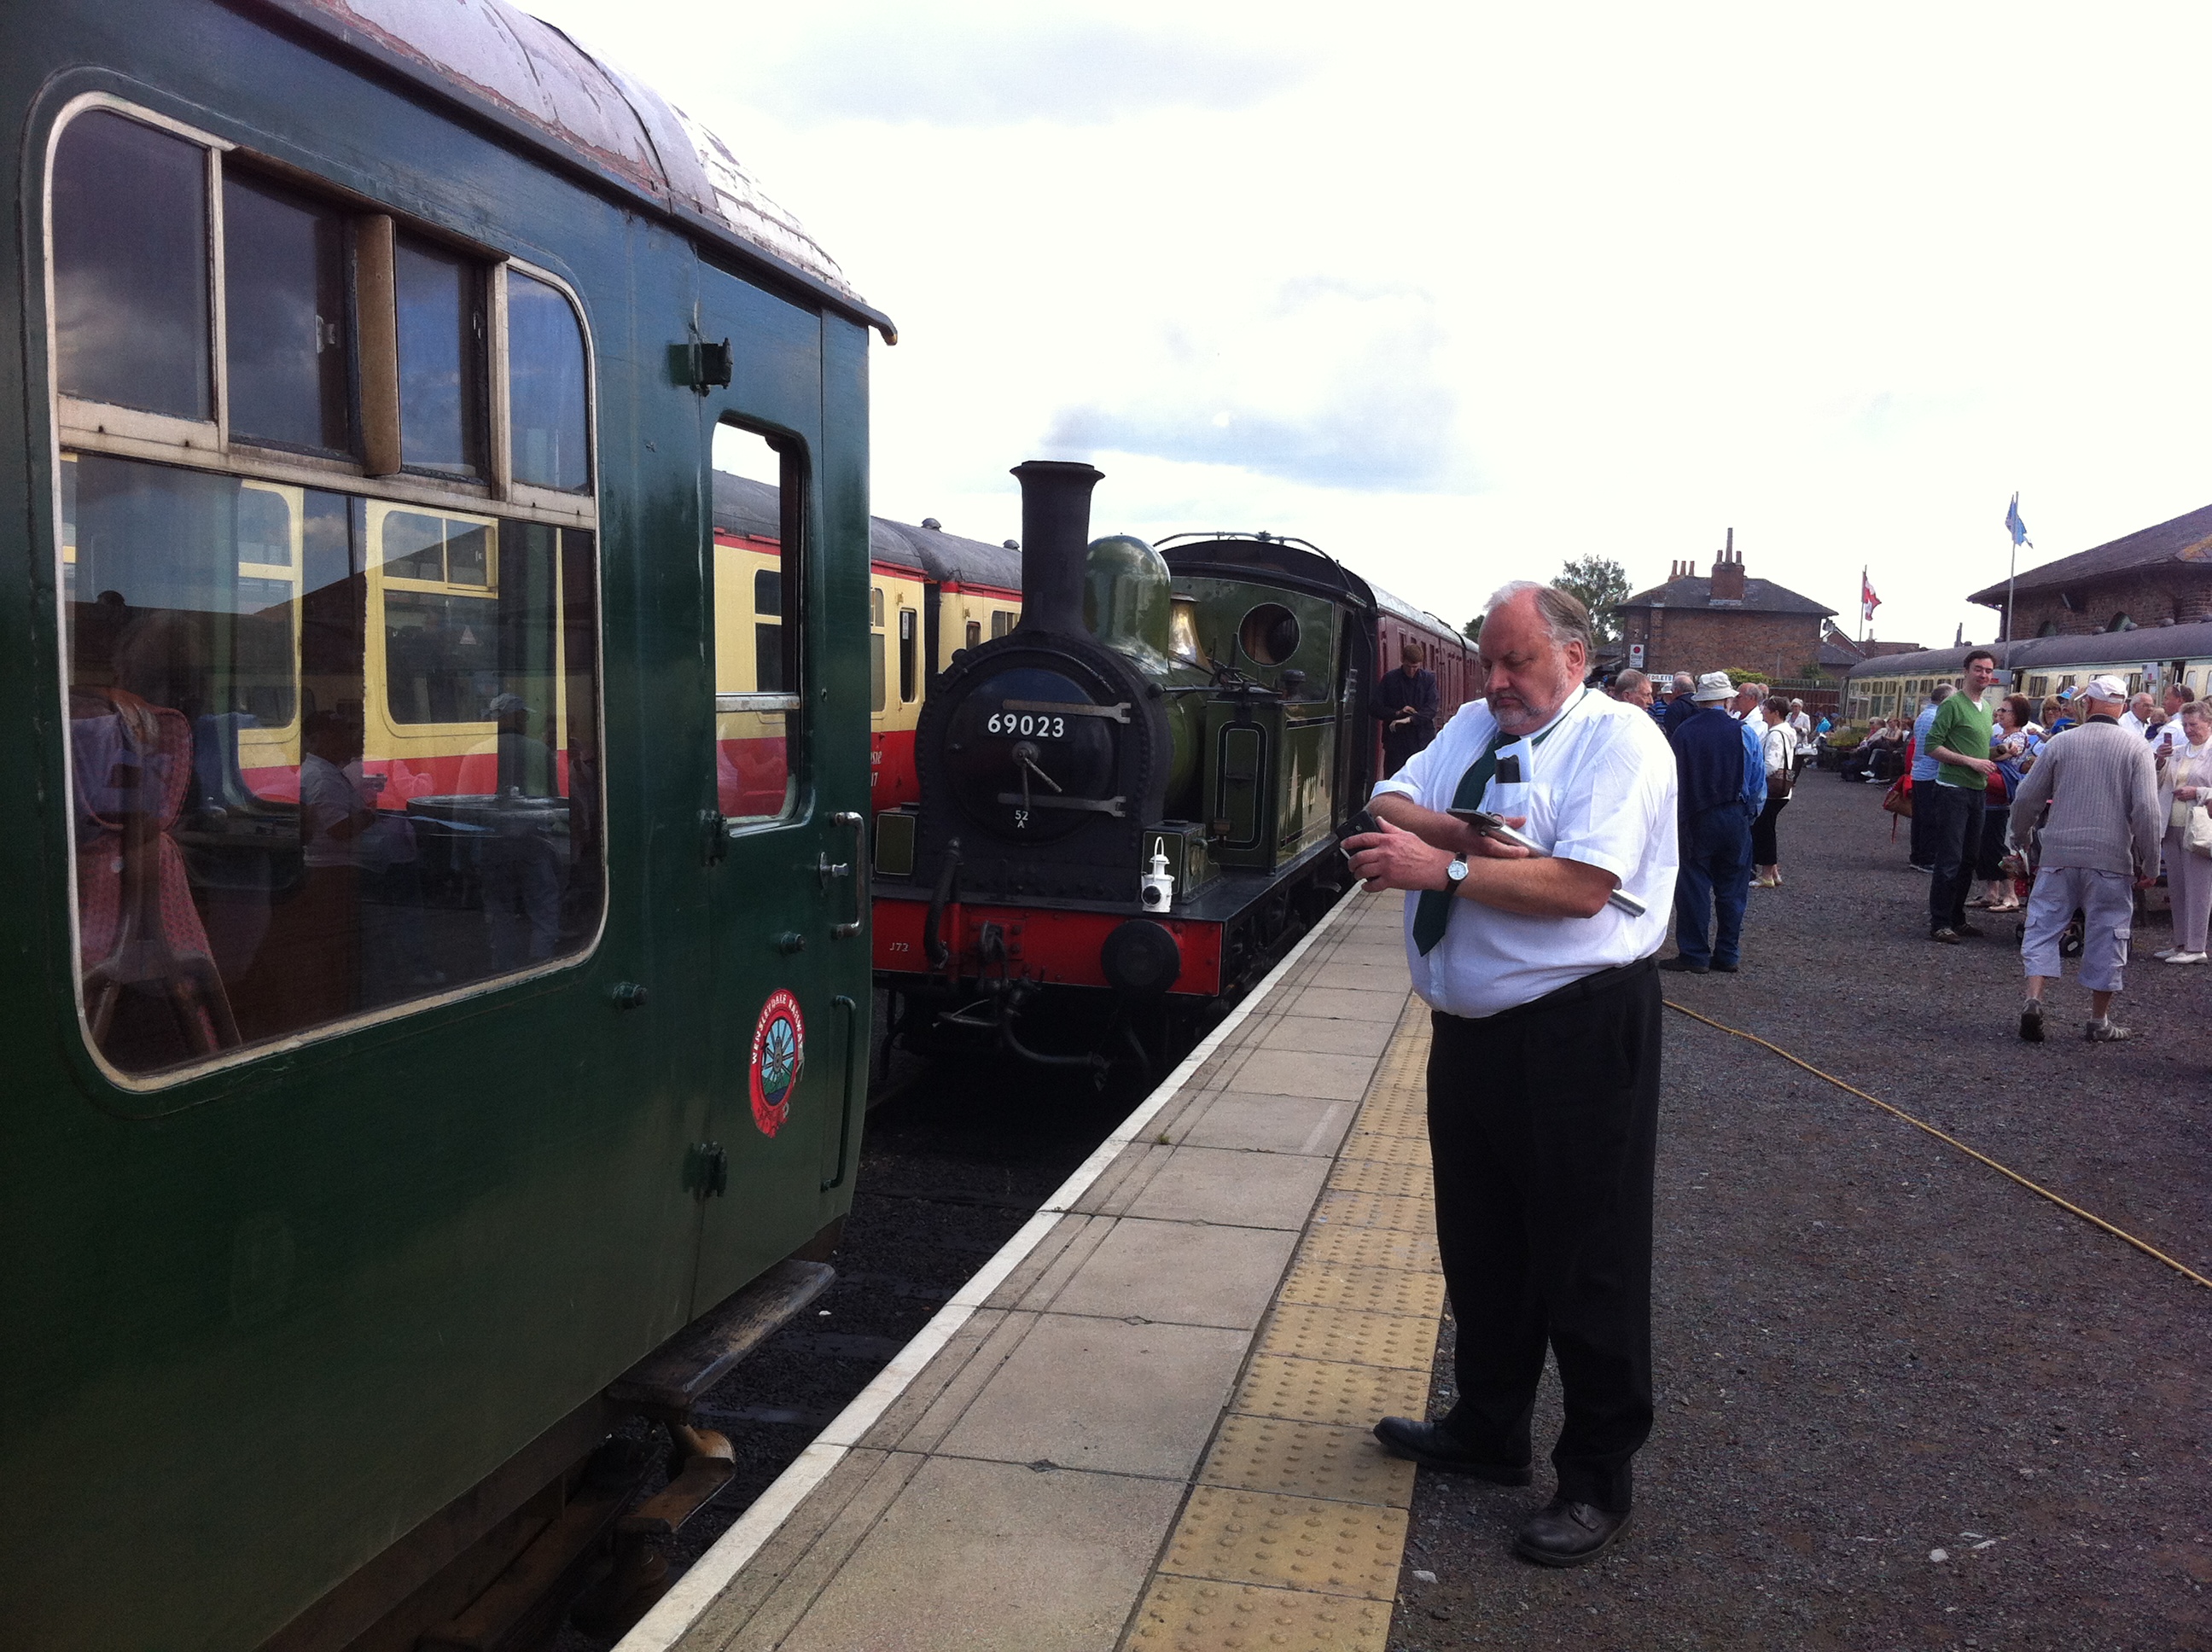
[783,860]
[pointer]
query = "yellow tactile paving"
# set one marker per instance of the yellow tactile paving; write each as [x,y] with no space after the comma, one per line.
[1306,1543]
[1351,1210]
[1329,1392]
[1273,1453]
[1368,1290]
[1372,1147]
[1406,1115]
[1186,1614]
[1342,1246]
[1307,1330]
[1293,1533]
[1372,1176]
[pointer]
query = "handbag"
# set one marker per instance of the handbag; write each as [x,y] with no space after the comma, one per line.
[1899,798]
[2197,837]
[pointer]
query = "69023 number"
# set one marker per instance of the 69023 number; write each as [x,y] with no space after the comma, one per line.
[1036,723]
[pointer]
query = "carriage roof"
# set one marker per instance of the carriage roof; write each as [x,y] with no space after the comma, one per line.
[537,83]
[2150,643]
[742,506]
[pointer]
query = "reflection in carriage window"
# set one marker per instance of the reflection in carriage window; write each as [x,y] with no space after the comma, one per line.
[286,814]
[284,327]
[545,387]
[131,317]
[442,415]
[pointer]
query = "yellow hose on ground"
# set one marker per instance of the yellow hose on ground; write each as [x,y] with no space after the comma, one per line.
[1917,1124]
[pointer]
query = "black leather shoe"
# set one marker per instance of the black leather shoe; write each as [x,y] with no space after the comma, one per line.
[1685,967]
[1430,1446]
[1726,969]
[1563,1533]
[1967,930]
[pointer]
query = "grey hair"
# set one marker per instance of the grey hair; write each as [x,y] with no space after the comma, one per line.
[1565,619]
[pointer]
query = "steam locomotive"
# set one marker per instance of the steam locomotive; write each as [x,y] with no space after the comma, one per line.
[1129,803]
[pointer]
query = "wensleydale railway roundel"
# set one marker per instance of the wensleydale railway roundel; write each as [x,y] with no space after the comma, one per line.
[1030,756]
[779,1052]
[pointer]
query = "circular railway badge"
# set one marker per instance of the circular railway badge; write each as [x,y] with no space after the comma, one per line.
[779,1051]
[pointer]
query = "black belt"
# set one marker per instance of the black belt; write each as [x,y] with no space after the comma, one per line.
[1589,986]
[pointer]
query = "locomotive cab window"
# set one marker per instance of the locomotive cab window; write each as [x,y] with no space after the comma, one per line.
[757,600]
[331,753]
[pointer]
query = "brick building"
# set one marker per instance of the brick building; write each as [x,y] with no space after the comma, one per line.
[1693,624]
[2159,575]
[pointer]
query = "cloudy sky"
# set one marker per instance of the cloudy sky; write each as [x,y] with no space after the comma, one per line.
[1460,292]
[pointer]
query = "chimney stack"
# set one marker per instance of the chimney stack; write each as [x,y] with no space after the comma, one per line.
[1728,573]
[1056,543]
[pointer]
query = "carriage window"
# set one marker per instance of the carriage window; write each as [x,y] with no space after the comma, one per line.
[545,387]
[757,665]
[974,634]
[907,655]
[439,299]
[1001,622]
[285,332]
[132,322]
[328,754]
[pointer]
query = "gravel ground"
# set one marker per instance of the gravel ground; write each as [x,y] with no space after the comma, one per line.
[1903,1403]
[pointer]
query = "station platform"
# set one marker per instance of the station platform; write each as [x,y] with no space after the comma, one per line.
[1145,1423]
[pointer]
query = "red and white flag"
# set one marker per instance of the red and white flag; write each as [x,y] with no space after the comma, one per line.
[1867,601]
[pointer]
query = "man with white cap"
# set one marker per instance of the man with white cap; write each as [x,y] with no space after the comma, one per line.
[2101,844]
[1721,787]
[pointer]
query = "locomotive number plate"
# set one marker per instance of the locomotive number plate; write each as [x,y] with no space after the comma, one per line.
[1038,726]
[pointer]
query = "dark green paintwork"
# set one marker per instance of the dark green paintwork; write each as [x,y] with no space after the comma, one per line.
[262,1322]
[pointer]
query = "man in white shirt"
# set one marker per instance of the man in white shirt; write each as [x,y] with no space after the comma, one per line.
[2136,718]
[1544,1071]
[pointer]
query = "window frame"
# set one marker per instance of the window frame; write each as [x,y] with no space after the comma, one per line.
[76,425]
[133,432]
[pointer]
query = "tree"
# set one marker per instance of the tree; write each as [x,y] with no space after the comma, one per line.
[1602,585]
[1472,629]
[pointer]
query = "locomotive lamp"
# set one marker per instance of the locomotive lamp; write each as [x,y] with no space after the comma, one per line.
[1157,893]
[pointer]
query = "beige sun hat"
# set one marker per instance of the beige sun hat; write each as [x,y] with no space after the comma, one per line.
[1714,686]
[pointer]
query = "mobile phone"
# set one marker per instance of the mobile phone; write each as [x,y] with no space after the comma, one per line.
[1494,826]
[1355,824]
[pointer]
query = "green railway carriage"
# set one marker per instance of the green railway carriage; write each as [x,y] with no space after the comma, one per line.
[407,1030]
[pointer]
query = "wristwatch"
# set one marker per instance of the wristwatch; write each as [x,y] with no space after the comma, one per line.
[1455,873]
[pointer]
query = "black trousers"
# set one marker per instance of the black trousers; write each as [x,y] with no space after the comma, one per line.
[1953,814]
[1543,1122]
[1765,849]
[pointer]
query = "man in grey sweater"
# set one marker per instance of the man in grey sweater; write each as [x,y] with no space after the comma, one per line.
[2100,844]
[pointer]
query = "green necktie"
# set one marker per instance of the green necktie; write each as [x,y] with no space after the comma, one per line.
[1432,912]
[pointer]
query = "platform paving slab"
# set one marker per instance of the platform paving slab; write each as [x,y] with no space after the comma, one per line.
[1154,1431]
[1271,1124]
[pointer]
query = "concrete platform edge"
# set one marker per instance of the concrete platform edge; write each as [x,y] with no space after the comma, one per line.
[673,1616]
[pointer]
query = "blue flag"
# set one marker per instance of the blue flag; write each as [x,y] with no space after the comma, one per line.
[2017,528]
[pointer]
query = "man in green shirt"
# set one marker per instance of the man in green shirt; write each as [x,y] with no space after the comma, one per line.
[1959,740]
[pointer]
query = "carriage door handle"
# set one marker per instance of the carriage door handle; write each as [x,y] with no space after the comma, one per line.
[857,868]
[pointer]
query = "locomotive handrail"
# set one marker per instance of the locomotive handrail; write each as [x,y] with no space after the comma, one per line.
[760,702]
[1119,711]
[1118,807]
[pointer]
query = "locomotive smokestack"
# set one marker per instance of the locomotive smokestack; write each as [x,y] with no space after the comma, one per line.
[1055,539]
